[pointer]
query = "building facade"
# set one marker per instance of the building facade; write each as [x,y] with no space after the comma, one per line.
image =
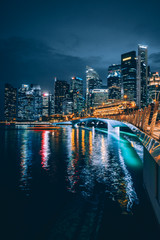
[77,95]
[99,97]
[36,91]
[129,75]
[67,106]
[142,76]
[45,104]
[29,103]
[10,102]
[114,81]
[61,89]
[93,81]
[154,87]
[77,84]
[78,103]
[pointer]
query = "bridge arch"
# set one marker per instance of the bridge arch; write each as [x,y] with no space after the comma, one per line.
[110,125]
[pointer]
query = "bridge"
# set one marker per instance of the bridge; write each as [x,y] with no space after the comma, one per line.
[151,165]
[110,125]
[143,123]
[144,119]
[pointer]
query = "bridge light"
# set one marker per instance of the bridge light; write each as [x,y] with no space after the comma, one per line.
[133,104]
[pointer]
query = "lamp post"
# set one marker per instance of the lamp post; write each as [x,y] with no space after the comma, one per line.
[125,98]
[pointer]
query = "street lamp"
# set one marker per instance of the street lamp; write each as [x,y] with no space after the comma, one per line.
[125,96]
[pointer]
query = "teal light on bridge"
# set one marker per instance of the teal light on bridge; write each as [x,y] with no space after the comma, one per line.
[127,133]
[130,156]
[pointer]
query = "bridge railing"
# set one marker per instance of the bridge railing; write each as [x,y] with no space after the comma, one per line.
[144,119]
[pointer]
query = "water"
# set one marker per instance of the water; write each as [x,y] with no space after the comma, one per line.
[74,184]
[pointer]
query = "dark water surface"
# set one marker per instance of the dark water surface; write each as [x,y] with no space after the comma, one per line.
[73,184]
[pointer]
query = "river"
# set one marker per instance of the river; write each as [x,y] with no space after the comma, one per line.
[74,183]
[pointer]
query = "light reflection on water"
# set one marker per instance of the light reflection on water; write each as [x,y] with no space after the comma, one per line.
[78,181]
[26,161]
[45,149]
[93,159]
[103,163]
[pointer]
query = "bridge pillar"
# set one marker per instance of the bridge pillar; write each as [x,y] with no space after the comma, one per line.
[113,129]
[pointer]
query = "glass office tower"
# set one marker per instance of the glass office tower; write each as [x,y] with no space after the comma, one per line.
[142,76]
[93,81]
[114,81]
[61,89]
[128,71]
[10,102]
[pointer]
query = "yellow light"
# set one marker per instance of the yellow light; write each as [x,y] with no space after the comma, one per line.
[125,59]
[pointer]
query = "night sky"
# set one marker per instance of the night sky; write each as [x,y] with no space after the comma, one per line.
[43,39]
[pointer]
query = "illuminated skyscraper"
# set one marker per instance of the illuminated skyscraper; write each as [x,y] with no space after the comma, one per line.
[114,81]
[61,89]
[29,103]
[128,71]
[36,91]
[78,102]
[51,111]
[47,104]
[142,75]
[154,87]
[67,106]
[99,97]
[93,81]
[77,84]
[76,94]
[10,102]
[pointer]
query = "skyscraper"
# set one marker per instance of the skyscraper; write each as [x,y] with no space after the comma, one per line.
[77,84]
[29,103]
[36,91]
[47,104]
[51,101]
[76,94]
[128,71]
[114,81]
[10,102]
[78,102]
[99,97]
[25,103]
[154,87]
[93,81]
[67,106]
[61,89]
[142,75]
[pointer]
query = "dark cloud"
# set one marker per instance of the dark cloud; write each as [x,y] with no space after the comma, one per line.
[155,57]
[154,60]
[59,38]
[34,61]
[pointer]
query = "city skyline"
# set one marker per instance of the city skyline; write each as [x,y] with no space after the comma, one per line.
[38,38]
[41,41]
[129,80]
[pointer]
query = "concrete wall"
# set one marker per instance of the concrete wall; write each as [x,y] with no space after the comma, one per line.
[151,175]
[151,168]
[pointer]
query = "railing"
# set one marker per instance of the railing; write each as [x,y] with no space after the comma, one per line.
[143,120]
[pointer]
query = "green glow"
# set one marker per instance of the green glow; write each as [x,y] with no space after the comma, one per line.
[127,133]
[129,154]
